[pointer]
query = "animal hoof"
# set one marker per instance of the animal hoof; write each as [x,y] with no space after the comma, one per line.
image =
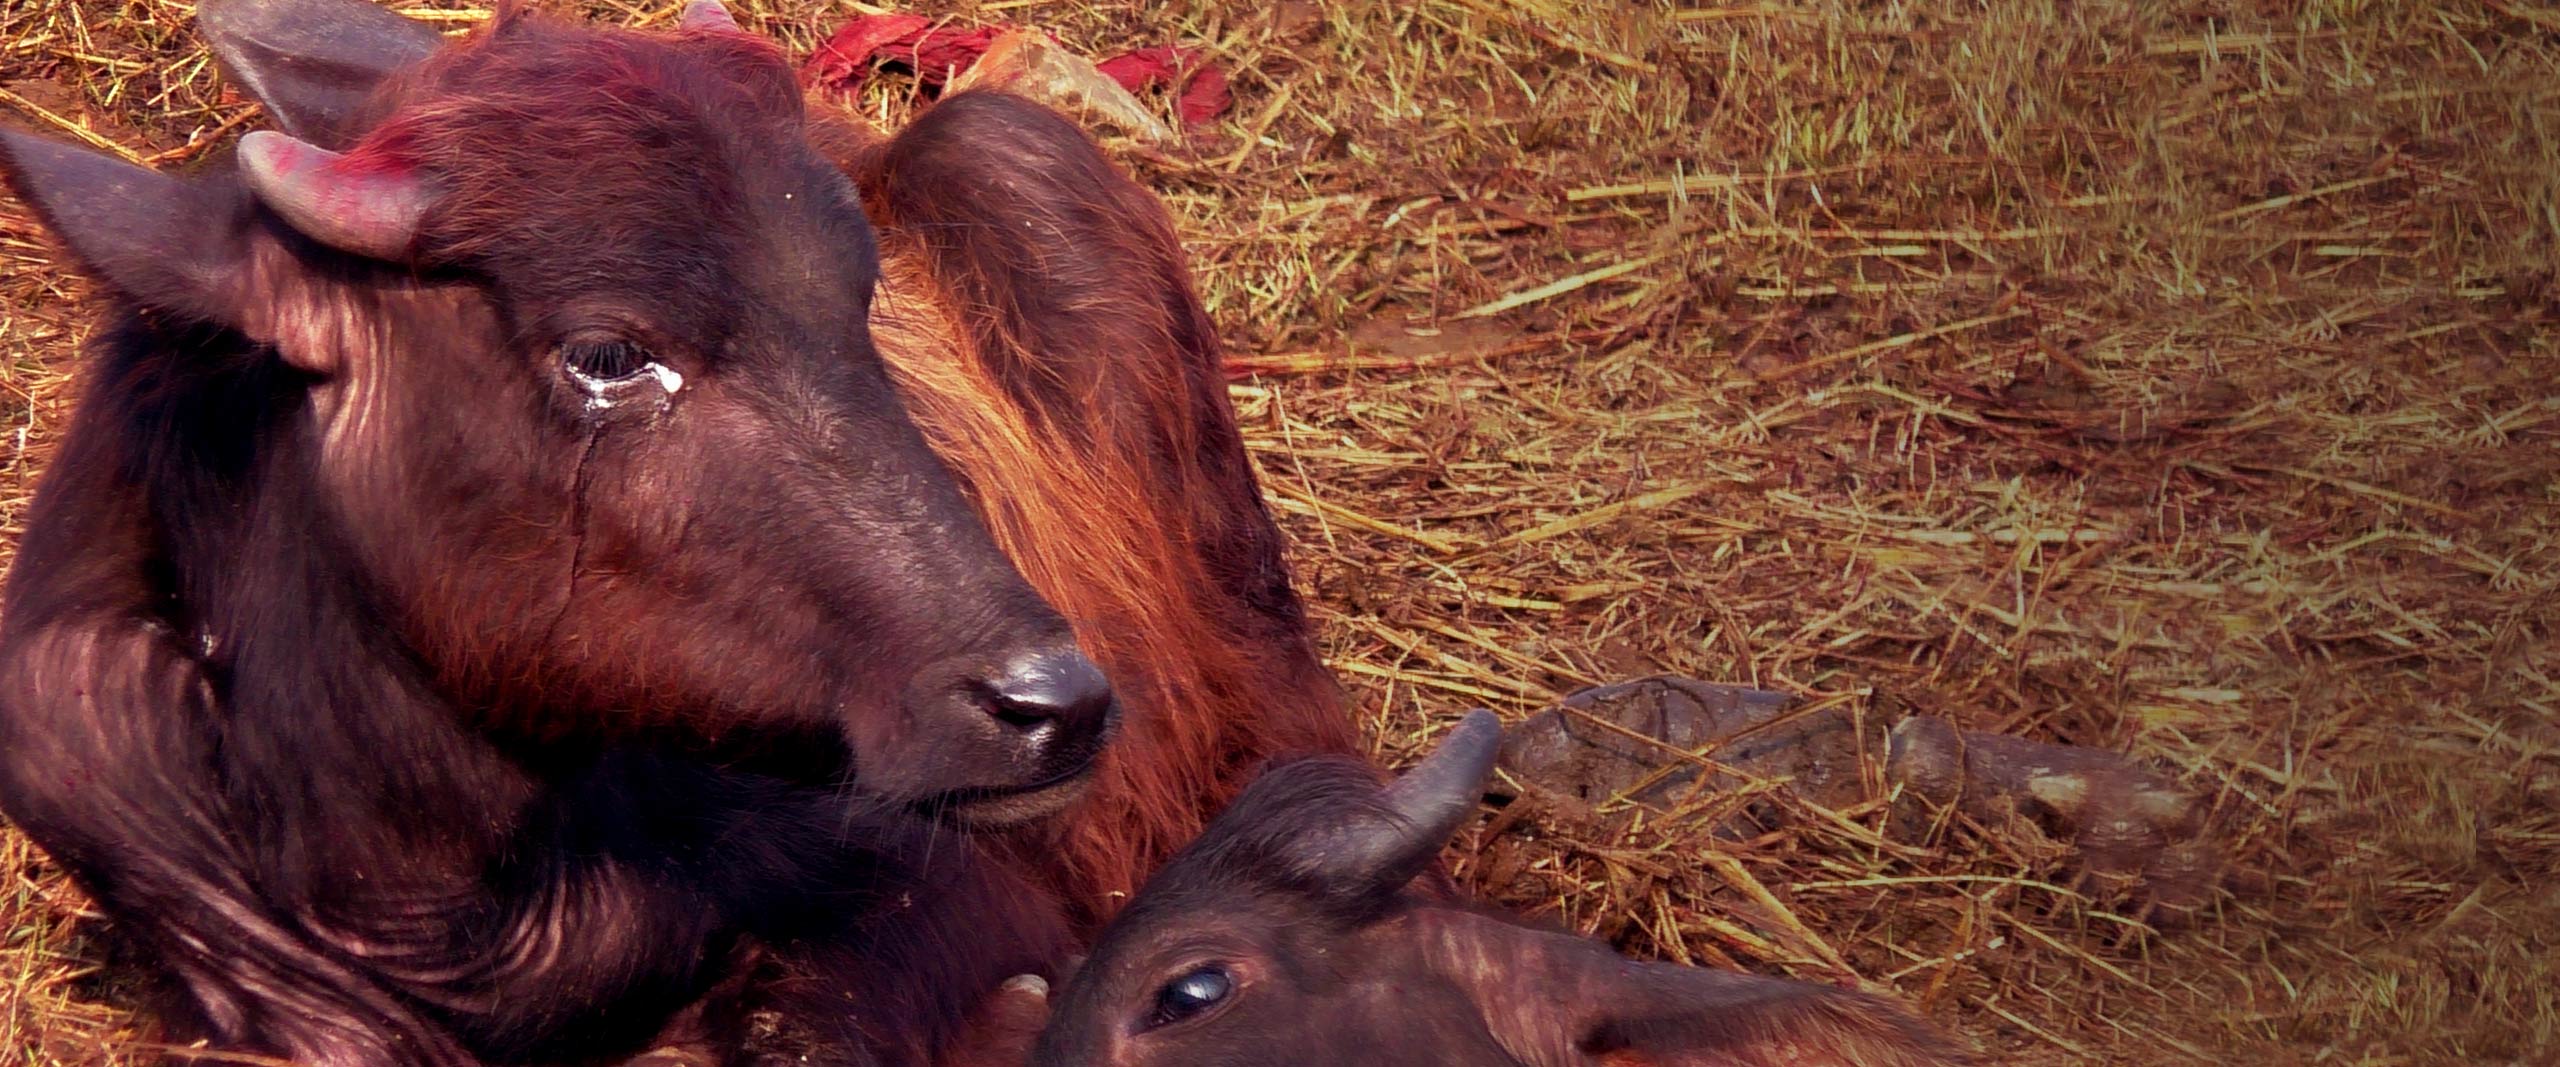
[1001,1031]
[2132,834]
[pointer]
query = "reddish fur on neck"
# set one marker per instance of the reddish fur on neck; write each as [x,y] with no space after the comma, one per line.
[1035,309]
[1109,529]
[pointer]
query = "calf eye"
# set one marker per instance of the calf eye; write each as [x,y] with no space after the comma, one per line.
[604,361]
[1197,991]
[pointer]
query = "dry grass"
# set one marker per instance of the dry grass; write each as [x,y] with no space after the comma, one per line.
[2172,377]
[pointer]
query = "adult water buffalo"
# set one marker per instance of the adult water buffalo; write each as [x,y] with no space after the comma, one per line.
[526,545]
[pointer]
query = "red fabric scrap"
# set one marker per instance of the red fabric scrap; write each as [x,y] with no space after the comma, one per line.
[865,43]
[1202,88]
[860,46]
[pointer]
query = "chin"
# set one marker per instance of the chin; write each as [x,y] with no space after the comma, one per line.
[999,811]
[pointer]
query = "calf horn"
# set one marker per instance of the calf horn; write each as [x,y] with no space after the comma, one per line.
[370,212]
[1425,805]
[706,15]
[1440,792]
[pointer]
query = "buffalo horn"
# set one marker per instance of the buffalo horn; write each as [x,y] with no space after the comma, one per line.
[706,15]
[370,212]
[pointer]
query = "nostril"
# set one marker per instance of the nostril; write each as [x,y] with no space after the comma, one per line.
[1059,687]
[1016,712]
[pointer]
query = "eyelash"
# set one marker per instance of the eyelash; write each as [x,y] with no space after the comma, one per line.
[605,361]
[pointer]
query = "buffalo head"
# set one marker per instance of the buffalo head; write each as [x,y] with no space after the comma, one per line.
[568,327]
[1290,934]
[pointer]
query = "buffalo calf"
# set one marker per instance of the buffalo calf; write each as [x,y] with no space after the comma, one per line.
[492,582]
[1291,933]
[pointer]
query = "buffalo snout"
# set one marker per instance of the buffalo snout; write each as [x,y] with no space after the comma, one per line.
[1046,694]
[1001,738]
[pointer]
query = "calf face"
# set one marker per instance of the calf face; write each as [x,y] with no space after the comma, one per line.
[1288,935]
[575,330]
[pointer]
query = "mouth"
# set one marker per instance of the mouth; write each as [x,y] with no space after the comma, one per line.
[997,807]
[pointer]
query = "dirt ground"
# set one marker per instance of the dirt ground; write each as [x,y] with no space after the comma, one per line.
[2173,377]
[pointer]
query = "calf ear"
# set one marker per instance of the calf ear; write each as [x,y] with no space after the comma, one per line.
[198,250]
[313,63]
[1380,855]
[159,240]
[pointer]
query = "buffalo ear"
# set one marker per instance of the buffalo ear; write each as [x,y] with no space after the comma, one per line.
[199,250]
[1378,856]
[158,240]
[313,63]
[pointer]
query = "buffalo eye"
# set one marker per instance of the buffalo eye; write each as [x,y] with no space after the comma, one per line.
[1196,991]
[602,361]
[606,368]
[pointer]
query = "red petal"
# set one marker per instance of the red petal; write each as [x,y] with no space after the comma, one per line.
[1204,87]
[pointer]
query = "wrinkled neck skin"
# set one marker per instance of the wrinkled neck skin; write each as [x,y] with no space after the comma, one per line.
[332,740]
[317,685]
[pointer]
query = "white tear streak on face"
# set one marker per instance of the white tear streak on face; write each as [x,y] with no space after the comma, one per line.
[601,394]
